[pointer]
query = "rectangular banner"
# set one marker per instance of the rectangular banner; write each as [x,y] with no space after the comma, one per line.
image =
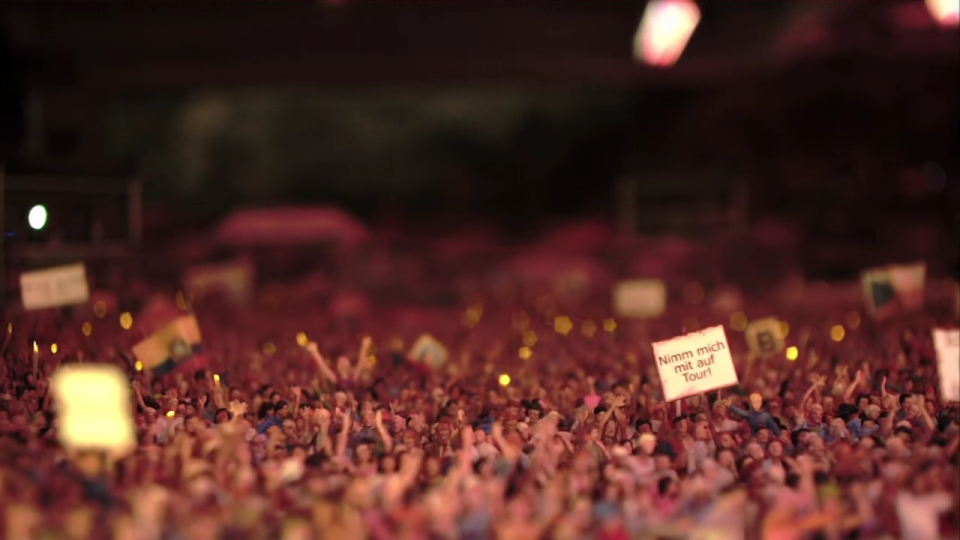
[765,337]
[640,298]
[54,287]
[695,363]
[908,282]
[233,278]
[947,343]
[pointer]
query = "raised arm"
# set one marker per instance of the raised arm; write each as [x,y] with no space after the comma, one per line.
[321,363]
[382,431]
[852,387]
[362,358]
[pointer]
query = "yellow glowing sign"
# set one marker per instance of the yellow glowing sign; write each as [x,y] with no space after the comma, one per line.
[610,325]
[738,321]
[53,348]
[792,353]
[525,353]
[138,365]
[216,379]
[837,333]
[302,339]
[93,408]
[529,338]
[87,329]
[504,380]
[35,348]
[126,320]
[171,414]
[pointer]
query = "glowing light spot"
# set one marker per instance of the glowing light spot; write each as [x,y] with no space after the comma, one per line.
[171,414]
[181,301]
[738,321]
[664,31]
[100,309]
[35,348]
[562,325]
[837,333]
[269,349]
[853,320]
[693,293]
[216,378]
[126,320]
[87,329]
[945,12]
[525,353]
[792,353]
[609,325]
[529,338]
[53,348]
[588,328]
[138,365]
[37,218]
[302,339]
[504,380]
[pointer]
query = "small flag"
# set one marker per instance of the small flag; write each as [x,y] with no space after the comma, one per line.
[173,342]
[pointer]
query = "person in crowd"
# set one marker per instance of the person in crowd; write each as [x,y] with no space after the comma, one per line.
[576,444]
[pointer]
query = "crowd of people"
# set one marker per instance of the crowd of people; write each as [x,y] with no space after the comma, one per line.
[300,426]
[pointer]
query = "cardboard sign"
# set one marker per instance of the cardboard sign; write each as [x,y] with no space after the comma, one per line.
[427,350]
[947,343]
[234,278]
[93,409]
[695,363]
[640,298]
[54,287]
[765,337]
[878,292]
[908,281]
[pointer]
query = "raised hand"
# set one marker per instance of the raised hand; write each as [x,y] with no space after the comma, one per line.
[238,409]
[295,390]
[312,348]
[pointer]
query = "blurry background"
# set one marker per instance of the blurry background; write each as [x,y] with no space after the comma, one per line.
[792,140]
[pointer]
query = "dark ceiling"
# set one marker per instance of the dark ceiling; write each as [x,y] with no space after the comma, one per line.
[141,46]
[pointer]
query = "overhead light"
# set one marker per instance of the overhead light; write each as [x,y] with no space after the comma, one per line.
[664,31]
[945,12]
[37,218]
